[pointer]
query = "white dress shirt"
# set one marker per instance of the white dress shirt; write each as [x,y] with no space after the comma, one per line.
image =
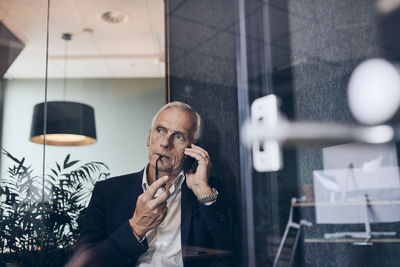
[164,241]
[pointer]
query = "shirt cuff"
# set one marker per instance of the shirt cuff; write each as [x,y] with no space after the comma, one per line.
[209,203]
[138,239]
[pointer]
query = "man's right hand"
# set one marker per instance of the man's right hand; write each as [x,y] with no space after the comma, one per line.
[150,211]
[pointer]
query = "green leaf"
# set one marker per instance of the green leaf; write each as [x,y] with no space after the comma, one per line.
[82,174]
[87,170]
[58,167]
[52,177]
[102,164]
[10,156]
[90,167]
[71,164]
[66,161]
[55,173]
[21,164]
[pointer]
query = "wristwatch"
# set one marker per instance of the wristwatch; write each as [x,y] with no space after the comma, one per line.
[209,198]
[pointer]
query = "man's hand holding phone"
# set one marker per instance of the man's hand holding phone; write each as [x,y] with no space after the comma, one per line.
[198,181]
[150,211]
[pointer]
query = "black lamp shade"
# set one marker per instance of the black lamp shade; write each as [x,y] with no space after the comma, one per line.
[68,124]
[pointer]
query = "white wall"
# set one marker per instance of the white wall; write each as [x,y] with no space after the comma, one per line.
[123,112]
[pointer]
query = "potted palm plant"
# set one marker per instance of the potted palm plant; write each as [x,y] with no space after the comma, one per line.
[40,216]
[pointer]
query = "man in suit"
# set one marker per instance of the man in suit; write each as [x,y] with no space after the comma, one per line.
[137,220]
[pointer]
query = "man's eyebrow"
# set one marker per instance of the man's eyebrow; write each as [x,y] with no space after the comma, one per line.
[175,132]
[172,130]
[179,132]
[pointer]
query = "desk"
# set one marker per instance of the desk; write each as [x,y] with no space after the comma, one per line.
[317,251]
[361,203]
[351,240]
[199,253]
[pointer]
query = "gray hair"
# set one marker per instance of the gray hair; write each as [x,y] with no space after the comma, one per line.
[186,107]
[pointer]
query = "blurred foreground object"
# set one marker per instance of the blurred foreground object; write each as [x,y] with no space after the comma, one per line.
[374,91]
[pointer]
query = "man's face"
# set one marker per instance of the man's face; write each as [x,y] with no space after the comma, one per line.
[171,134]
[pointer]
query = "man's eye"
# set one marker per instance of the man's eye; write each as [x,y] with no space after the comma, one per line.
[159,130]
[180,137]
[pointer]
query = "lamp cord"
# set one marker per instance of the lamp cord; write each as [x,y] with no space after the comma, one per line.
[65,69]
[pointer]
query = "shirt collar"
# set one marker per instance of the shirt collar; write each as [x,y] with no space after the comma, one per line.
[176,184]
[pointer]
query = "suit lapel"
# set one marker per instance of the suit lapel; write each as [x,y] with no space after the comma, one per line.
[135,189]
[186,213]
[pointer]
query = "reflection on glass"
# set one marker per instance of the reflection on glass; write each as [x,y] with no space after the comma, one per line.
[308,52]
[367,191]
[352,186]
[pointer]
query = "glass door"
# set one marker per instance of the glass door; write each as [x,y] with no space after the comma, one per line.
[320,83]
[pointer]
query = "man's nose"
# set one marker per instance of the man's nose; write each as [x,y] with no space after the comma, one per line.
[165,141]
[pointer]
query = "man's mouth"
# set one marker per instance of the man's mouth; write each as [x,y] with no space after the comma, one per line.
[161,155]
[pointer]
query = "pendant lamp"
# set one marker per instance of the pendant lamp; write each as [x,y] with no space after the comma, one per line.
[67,123]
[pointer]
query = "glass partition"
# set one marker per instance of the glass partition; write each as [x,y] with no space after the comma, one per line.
[104,83]
[334,199]
[22,74]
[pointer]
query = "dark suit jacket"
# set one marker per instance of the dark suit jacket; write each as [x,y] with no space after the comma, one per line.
[107,239]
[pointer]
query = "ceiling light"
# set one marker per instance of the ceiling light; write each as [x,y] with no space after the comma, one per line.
[67,124]
[63,123]
[114,16]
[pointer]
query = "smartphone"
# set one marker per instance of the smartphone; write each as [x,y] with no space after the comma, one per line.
[190,163]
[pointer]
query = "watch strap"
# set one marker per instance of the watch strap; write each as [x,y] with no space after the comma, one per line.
[209,198]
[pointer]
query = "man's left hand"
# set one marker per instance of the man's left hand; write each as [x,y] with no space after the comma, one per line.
[198,181]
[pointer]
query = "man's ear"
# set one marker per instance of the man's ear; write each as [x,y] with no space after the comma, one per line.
[148,139]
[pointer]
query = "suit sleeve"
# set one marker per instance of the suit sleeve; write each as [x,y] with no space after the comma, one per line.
[96,247]
[218,219]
